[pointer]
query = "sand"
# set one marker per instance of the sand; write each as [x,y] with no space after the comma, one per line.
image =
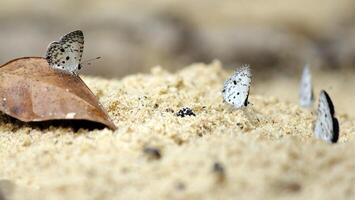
[266,151]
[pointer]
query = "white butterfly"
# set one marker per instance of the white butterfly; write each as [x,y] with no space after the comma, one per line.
[236,88]
[66,54]
[306,90]
[326,126]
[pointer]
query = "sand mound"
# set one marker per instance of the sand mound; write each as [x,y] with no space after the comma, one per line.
[265,151]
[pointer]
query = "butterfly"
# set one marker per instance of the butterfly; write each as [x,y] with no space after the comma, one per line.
[236,88]
[66,54]
[326,125]
[306,90]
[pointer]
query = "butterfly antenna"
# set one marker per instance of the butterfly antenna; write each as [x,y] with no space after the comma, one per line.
[88,62]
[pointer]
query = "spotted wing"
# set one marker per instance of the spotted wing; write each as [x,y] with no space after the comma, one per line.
[66,54]
[236,88]
[327,126]
[306,90]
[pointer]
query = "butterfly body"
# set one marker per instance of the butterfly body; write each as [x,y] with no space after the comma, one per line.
[326,126]
[236,88]
[65,55]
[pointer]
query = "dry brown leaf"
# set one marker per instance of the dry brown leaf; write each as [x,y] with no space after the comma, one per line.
[31,91]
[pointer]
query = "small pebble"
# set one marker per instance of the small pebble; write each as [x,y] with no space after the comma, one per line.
[185,112]
[152,153]
[219,171]
[180,186]
[169,110]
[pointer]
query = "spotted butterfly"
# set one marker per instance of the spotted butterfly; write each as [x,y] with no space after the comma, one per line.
[326,125]
[306,90]
[236,88]
[66,54]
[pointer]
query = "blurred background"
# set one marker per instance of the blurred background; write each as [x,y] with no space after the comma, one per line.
[275,37]
[132,36]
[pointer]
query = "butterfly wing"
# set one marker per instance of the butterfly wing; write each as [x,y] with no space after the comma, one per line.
[326,127]
[67,53]
[306,90]
[236,88]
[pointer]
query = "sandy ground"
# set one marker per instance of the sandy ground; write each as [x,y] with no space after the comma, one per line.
[266,151]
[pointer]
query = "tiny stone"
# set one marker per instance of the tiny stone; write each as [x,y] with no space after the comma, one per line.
[169,110]
[180,186]
[185,112]
[219,170]
[240,125]
[152,153]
